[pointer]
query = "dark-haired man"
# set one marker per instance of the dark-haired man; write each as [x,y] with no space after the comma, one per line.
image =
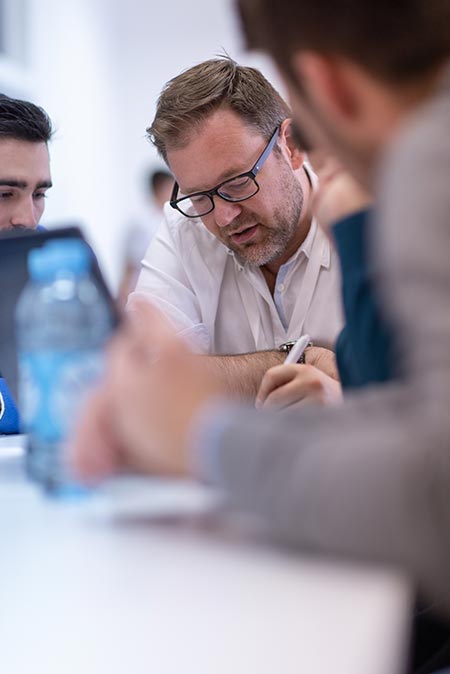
[239,265]
[25,130]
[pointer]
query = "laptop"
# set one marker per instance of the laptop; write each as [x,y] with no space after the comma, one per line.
[14,249]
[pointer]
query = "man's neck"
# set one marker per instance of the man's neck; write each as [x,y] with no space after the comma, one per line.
[271,269]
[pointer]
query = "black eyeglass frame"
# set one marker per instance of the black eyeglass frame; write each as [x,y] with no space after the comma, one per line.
[256,168]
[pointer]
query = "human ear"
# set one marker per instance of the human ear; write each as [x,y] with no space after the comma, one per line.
[329,85]
[294,154]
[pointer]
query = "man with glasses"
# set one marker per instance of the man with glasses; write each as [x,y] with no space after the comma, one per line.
[370,479]
[239,265]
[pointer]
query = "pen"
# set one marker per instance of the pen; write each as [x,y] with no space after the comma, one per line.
[297,350]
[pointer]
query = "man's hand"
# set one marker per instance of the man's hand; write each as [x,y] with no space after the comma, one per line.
[323,359]
[287,385]
[140,419]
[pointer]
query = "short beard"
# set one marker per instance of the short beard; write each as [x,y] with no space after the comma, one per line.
[285,226]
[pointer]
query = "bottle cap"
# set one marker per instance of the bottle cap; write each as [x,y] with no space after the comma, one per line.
[65,255]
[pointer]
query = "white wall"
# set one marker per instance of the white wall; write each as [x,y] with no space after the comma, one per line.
[97,66]
[72,56]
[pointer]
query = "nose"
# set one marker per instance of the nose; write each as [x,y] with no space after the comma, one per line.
[225,211]
[26,213]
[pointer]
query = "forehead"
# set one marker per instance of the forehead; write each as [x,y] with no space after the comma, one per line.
[222,146]
[24,160]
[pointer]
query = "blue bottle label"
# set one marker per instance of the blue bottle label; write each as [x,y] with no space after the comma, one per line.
[53,385]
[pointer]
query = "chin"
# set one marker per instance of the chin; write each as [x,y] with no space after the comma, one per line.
[258,258]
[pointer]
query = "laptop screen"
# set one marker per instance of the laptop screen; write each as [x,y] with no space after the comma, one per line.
[14,249]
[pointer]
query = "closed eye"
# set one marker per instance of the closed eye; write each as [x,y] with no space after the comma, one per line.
[198,198]
[238,182]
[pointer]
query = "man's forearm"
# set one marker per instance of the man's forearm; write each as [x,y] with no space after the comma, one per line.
[240,375]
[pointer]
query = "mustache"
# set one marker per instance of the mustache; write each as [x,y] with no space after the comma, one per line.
[239,225]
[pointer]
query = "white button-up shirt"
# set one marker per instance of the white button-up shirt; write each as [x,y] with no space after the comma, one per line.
[223,305]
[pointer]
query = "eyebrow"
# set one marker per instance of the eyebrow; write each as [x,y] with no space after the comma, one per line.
[21,184]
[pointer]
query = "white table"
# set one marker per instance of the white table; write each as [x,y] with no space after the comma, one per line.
[124,584]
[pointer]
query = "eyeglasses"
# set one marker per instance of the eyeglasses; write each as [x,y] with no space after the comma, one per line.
[235,189]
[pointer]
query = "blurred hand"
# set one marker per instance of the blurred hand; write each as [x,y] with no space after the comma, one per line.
[339,194]
[140,419]
[287,385]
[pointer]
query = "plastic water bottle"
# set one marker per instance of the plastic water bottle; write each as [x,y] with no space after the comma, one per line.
[62,326]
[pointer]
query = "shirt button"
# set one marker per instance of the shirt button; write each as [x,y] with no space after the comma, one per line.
[280,287]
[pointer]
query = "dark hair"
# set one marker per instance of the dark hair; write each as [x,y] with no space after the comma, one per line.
[23,120]
[157,178]
[397,41]
[198,92]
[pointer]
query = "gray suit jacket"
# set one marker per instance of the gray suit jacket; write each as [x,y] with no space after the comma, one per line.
[371,478]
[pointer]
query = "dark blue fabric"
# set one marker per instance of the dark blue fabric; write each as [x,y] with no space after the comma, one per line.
[9,421]
[364,347]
